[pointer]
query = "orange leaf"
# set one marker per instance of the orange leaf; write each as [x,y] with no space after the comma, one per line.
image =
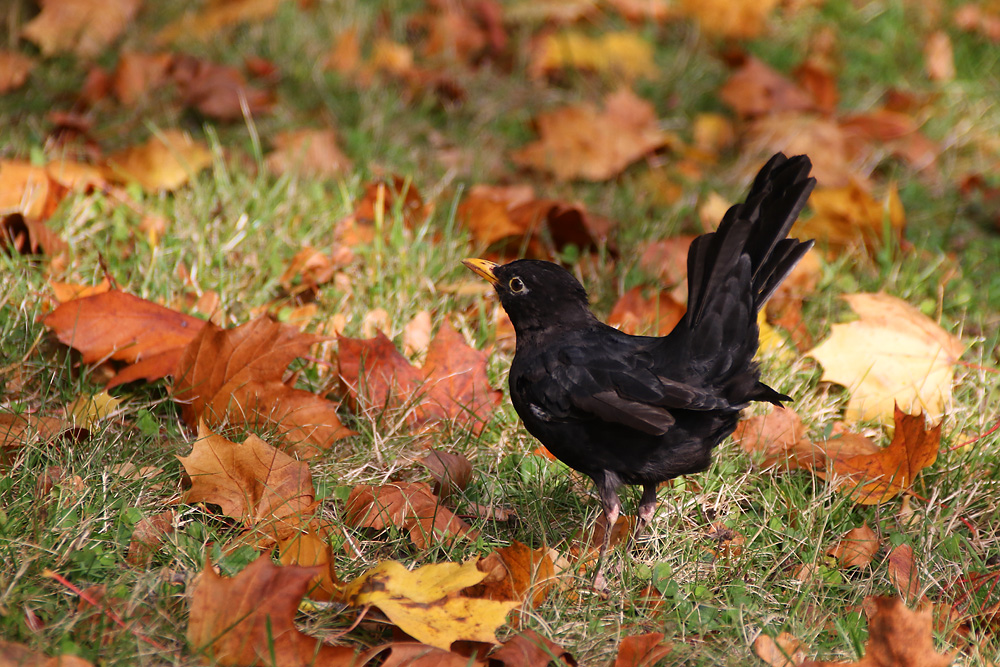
[580,142]
[249,619]
[642,650]
[903,573]
[236,375]
[117,325]
[856,548]
[655,315]
[530,649]
[897,637]
[875,478]
[165,162]
[412,507]
[785,651]
[251,481]
[755,89]
[84,27]
[515,573]
[311,153]
[14,70]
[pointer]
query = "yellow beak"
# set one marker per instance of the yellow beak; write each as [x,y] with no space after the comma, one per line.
[482,268]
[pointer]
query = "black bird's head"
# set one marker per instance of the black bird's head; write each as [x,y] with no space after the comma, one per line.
[536,294]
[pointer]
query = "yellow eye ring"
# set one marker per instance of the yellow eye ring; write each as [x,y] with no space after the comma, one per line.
[515,284]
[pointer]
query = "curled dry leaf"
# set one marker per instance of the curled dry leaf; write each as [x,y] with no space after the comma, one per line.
[251,481]
[84,27]
[119,326]
[236,375]
[530,649]
[856,548]
[783,651]
[426,603]
[580,142]
[249,619]
[903,573]
[165,162]
[874,478]
[451,472]
[893,354]
[897,637]
[410,506]
[148,535]
[20,430]
[646,650]
[452,386]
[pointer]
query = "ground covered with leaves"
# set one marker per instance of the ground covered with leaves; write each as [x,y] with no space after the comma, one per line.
[253,409]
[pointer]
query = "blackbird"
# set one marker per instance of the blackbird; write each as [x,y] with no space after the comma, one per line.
[641,410]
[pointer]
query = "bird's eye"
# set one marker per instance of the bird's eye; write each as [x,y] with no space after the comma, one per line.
[515,284]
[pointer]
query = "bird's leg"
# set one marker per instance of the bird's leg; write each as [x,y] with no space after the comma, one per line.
[607,489]
[647,507]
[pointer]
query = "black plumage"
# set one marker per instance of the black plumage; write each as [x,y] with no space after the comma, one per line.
[640,410]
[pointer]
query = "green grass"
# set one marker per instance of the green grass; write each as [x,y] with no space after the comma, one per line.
[235,227]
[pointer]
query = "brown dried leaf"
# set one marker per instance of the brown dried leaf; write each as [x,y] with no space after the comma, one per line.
[897,637]
[218,91]
[215,16]
[117,325]
[856,548]
[249,619]
[785,651]
[148,535]
[451,472]
[415,654]
[755,89]
[580,142]
[516,572]
[251,481]
[653,315]
[410,506]
[311,153]
[14,70]
[84,27]
[21,430]
[903,573]
[138,73]
[642,650]
[530,649]
[236,375]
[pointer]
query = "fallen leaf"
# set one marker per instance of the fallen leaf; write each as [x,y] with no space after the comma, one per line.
[214,16]
[939,58]
[897,637]
[88,411]
[310,153]
[775,435]
[307,546]
[581,142]
[903,573]
[451,472]
[732,19]
[117,325]
[251,481]
[64,292]
[22,430]
[410,506]
[414,654]
[624,55]
[856,548]
[84,27]
[756,89]
[783,651]
[138,73]
[147,536]
[236,375]
[848,218]
[217,91]
[16,655]
[26,236]
[666,260]
[874,478]
[653,315]
[530,649]
[14,70]
[165,162]
[426,603]
[249,619]
[452,386]
[516,572]
[417,335]
[893,354]
[797,133]
[26,189]
[642,650]
[972,17]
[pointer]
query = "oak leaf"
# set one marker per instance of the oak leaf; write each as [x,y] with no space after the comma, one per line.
[880,476]
[582,142]
[452,386]
[897,637]
[530,649]
[410,506]
[249,618]
[236,375]
[117,325]
[84,27]
[893,354]
[251,481]
[165,162]
[426,603]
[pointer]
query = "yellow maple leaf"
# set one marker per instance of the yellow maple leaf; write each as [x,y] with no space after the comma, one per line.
[893,354]
[165,162]
[623,53]
[425,603]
